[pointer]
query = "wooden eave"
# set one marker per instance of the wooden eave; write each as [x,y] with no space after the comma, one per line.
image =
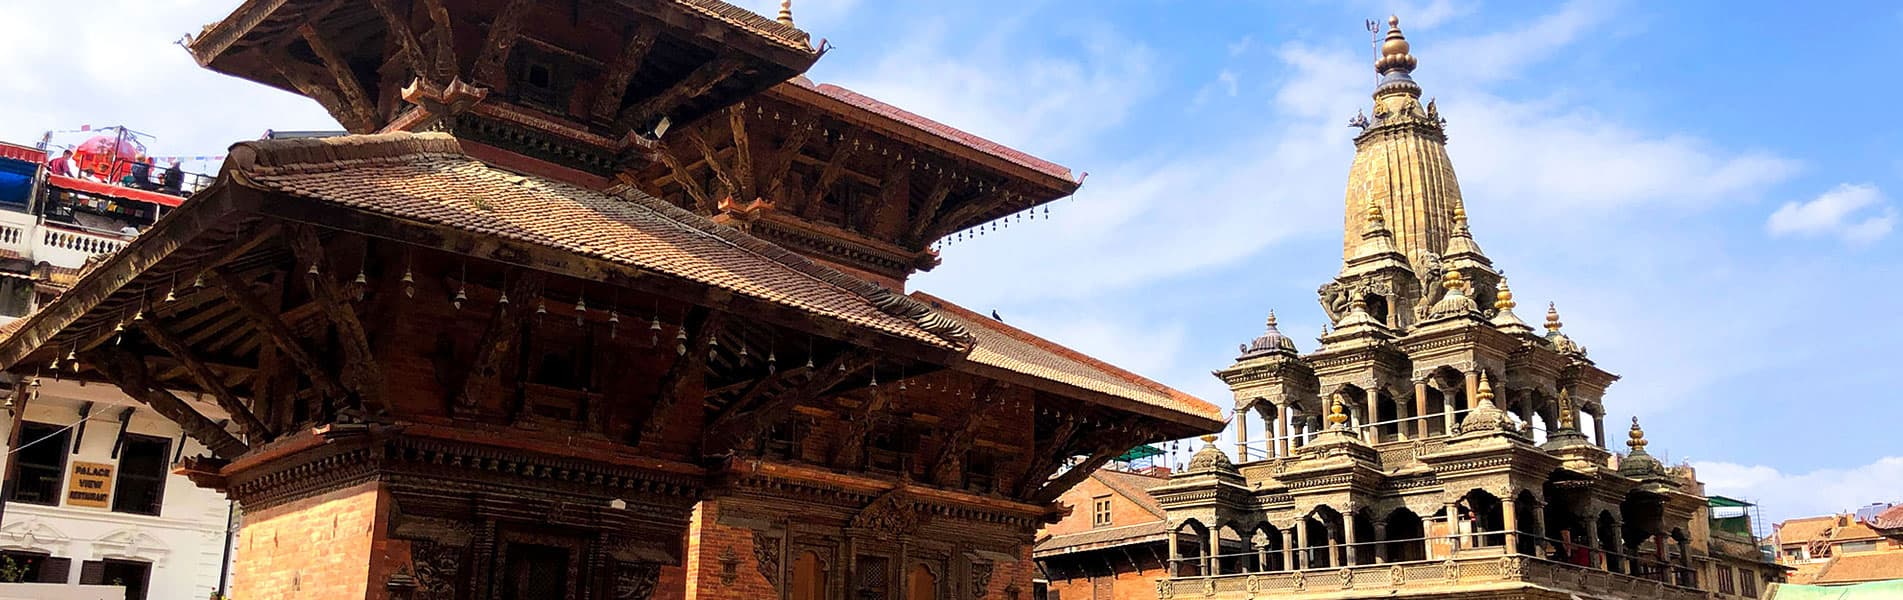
[1172,424]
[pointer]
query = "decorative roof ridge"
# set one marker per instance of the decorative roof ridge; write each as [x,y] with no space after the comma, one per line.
[934,127]
[784,33]
[270,157]
[1036,340]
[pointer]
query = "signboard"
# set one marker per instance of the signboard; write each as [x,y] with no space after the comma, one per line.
[90,486]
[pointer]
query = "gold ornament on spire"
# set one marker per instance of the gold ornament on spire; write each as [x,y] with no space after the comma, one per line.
[786,13]
[1636,437]
[1394,51]
[1209,438]
[1485,393]
[1452,281]
[1503,298]
[1335,414]
[1552,317]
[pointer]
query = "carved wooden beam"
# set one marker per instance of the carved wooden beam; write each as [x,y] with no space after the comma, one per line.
[690,369]
[736,428]
[742,152]
[688,184]
[443,51]
[359,102]
[894,186]
[783,158]
[970,210]
[398,26]
[697,83]
[281,336]
[1046,456]
[300,76]
[503,32]
[130,374]
[497,344]
[206,379]
[928,214]
[707,155]
[362,374]
[614,84]
[829,174]
[1109,449]
[948,465]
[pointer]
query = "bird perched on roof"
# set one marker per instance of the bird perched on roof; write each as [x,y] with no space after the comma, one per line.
[994,315]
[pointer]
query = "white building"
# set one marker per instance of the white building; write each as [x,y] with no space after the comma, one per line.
[95,501]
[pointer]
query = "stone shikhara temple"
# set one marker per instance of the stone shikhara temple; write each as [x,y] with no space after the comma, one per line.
[1435,445]
[600,299]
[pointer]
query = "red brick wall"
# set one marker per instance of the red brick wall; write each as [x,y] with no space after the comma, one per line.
[1123,511]
[1125,585]
[317,548]
[708,544]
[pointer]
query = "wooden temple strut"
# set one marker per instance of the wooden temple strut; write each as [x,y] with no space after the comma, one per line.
[361,372]
[358,102]
[129,372]
[248,423]
[399,30]
[1056,486]
[614,87]
[736,428]
[499,337]
[273,328]
[742,153]
[503,32]
[681,377]
[1047,457]
[698,83]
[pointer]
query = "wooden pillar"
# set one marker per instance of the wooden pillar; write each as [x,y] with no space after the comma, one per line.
[1420,409]
[1242,433]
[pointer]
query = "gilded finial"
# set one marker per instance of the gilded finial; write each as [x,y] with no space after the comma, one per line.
[1271,318]
[1335,414]
[1452,281]
[786,13]
[1485,393]
[1503,299]
[1636,437]
[1394,50]
[1552,317]
[1460,216]
[1374,210]
[1209,438]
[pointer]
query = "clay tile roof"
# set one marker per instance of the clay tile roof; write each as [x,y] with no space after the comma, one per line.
[1009,348]
[22,153]
[1104,537]
[939,129]
[1891,518]
[780,33]
[1864,566]
[11,326]
[1133,486]
[426,177]
[1804,529]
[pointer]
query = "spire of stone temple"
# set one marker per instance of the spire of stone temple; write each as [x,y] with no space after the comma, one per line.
[1456,301]
[786,13]
[1401,161]
[1462,251]
[1559,340]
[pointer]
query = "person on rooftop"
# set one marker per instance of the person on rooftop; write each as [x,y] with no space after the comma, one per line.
[173,181]
[62,164]
[141,176]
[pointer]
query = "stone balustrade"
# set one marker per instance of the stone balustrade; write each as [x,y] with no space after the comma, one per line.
[1428,577]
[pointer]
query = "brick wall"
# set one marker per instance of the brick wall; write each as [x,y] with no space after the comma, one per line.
[710,549]
[316,548]
[1126,584]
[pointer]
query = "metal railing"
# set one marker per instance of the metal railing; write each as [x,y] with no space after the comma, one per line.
[1454,560]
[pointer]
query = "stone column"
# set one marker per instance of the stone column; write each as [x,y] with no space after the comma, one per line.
[1473,388]
[1453,527]
[1288,549]
[1176,557]
[1599,428]
[1282,430]
[1301,544]
[1380,551]
[1595,557]
[1427,531]
[1511,519]
[1420,409]
[1369,430]
[1334,543]
[1348,538]
[1242,433]
[1211,564]
[1449,417]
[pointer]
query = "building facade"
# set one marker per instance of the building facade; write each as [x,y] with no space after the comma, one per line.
[1111,545]
[1435,445]
[1843,549]
[94,500]
[597,302]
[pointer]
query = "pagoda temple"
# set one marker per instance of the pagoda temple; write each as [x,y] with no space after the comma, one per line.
[600,299]
[1435,445]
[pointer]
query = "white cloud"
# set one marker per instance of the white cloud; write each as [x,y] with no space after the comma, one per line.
[1784,495]
[1858,213]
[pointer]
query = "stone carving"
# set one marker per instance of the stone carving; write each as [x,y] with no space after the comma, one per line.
[1164,589]
[1209,587]
[635,581]
[766,557]
[1347,578]
[1300,581]
[1397,576]
[1252,585]
[1450,570]
[980,578]
[729,566]
[1511,567]
[435,567]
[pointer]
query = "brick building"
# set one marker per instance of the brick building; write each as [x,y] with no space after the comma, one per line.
[597,302]
[1112,543]
[1843,549]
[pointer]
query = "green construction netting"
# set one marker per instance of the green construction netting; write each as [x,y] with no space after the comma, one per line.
[1875,590]
[1144,451]
[1723,502]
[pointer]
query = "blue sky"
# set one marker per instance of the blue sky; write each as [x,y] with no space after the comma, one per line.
[1708,190]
